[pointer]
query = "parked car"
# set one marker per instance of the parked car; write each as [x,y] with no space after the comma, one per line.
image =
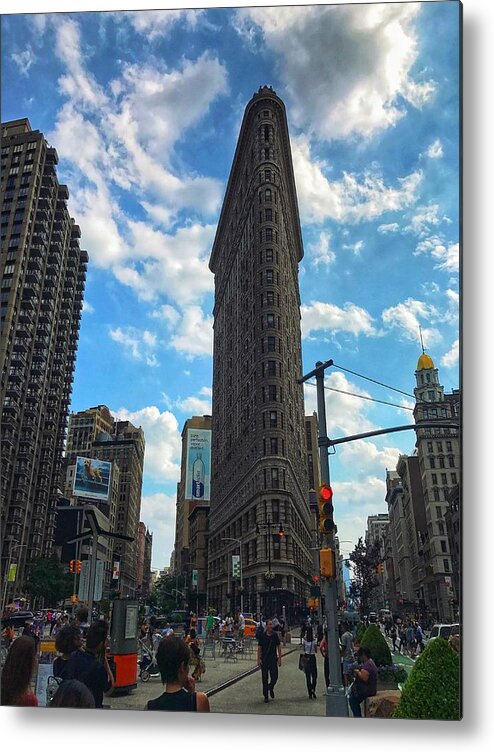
[443,630]
[17,618]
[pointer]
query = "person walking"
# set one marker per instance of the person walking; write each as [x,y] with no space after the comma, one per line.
[269,659]
[90,666]
[419,638]
[173,659]
[403,639]
[393,634]
[347,654]
[18,672]
[365,682]
[310,650]
[410,640]
[195,659]
[323,647]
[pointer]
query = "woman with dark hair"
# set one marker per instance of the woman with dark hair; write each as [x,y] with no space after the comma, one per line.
[90,666]
[173,659]
[72,694]
[310,650]
[18,672]
[365,683]
[67,641]
[192,641]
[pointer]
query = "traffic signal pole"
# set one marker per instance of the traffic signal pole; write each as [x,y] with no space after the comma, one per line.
[336,701]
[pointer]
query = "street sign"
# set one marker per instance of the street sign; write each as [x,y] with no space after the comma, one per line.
[235,567]
[84,581]
[12,573]
[194,578]
[98,580]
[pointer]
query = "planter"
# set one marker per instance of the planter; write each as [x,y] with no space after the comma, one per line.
[386,684]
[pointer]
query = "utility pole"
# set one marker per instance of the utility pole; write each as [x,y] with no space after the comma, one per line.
[336,701]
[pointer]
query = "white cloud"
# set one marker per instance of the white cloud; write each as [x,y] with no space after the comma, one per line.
[352,198]
[168,314]
[319,316]
[355,247]
[137,344]
[321,253]
[159,23]
[435,150]
[451,358]
[446,255]
[24,60]
[194,335]
[77,83]
[387,228]
[406,319]
[163,441]
[87,307]
[364,455]
[424,218]
[194,406]
[158,513]
[345,414]
[363,56]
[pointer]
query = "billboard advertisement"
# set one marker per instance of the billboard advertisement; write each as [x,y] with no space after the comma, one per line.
[92,479]
[198,476]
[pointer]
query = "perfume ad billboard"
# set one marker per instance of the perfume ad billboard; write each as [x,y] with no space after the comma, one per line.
[198,477]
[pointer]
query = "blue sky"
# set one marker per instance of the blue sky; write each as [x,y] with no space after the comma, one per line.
[144,110]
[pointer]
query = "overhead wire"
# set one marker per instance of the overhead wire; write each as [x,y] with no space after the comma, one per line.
[374,381]
[362,396]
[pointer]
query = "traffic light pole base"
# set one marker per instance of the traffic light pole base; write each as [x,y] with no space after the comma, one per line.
[336,702]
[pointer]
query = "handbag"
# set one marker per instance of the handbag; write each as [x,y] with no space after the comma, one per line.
[302,662]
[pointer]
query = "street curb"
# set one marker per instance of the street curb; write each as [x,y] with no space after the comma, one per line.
[249,672]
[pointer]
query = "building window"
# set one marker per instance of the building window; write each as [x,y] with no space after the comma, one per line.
[453,479]
[439,446]
[431,396]
[271,344]
[269,234]
[444,479]
[434,479]
[449,446]
[267,194]
[269,276]
[441,461]
[436,494]
[273,445]
[270,297]
[446,565]
[451,460]
[273,419]
[272,392]
[439,513]
[267,177]
[269,254]
[444,547]
[274,477]
[268,215]
[276,547]
[440,528]
[271,368]
[270,320]
[429,446]
[432,462]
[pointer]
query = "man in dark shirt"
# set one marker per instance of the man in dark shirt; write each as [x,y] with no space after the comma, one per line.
[91,665]
[269,659]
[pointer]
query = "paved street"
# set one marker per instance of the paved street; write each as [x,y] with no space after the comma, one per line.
[244,696]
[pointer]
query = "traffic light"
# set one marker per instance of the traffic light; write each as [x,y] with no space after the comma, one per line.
[74,598]
[78,566]
[72,566]
[327,562]
[325,503]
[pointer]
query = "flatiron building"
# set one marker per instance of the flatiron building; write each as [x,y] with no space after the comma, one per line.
[259,487]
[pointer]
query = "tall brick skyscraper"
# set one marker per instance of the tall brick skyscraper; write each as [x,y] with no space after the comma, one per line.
[259,484]
[43,272]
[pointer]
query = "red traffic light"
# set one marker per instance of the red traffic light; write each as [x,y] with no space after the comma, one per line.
[326,493]
[316,579]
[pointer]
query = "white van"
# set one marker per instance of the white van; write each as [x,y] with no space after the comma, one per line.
[444,630]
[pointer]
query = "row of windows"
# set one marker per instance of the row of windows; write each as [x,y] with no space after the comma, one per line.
[451,461]
[444,479]
[268,235]
[269,216]
[269,256]
[439,446]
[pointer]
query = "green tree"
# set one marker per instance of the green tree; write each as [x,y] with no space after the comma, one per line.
[375,641]
[164,596]
[46,578]
[432,690]
[365,560]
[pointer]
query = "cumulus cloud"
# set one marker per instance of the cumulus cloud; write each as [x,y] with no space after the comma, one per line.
[345,414]
[154,24]
[319,316]
[424,218]
[163,440]
[363,56]
[158,513]
[137,344]
[194,334]
[435,150]
[320,252]
[364,455]
[405,320]
[384,229]
[447,255]
[451,358]
[352,198]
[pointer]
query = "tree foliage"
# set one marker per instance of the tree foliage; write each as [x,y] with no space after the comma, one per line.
[432,691]
[46,578]
[164,597]
[364,580]
[374,640]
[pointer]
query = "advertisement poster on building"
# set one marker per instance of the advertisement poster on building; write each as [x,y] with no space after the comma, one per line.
[92,478]
[198,478]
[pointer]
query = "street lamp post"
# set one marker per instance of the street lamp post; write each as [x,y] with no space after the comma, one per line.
[237,540]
